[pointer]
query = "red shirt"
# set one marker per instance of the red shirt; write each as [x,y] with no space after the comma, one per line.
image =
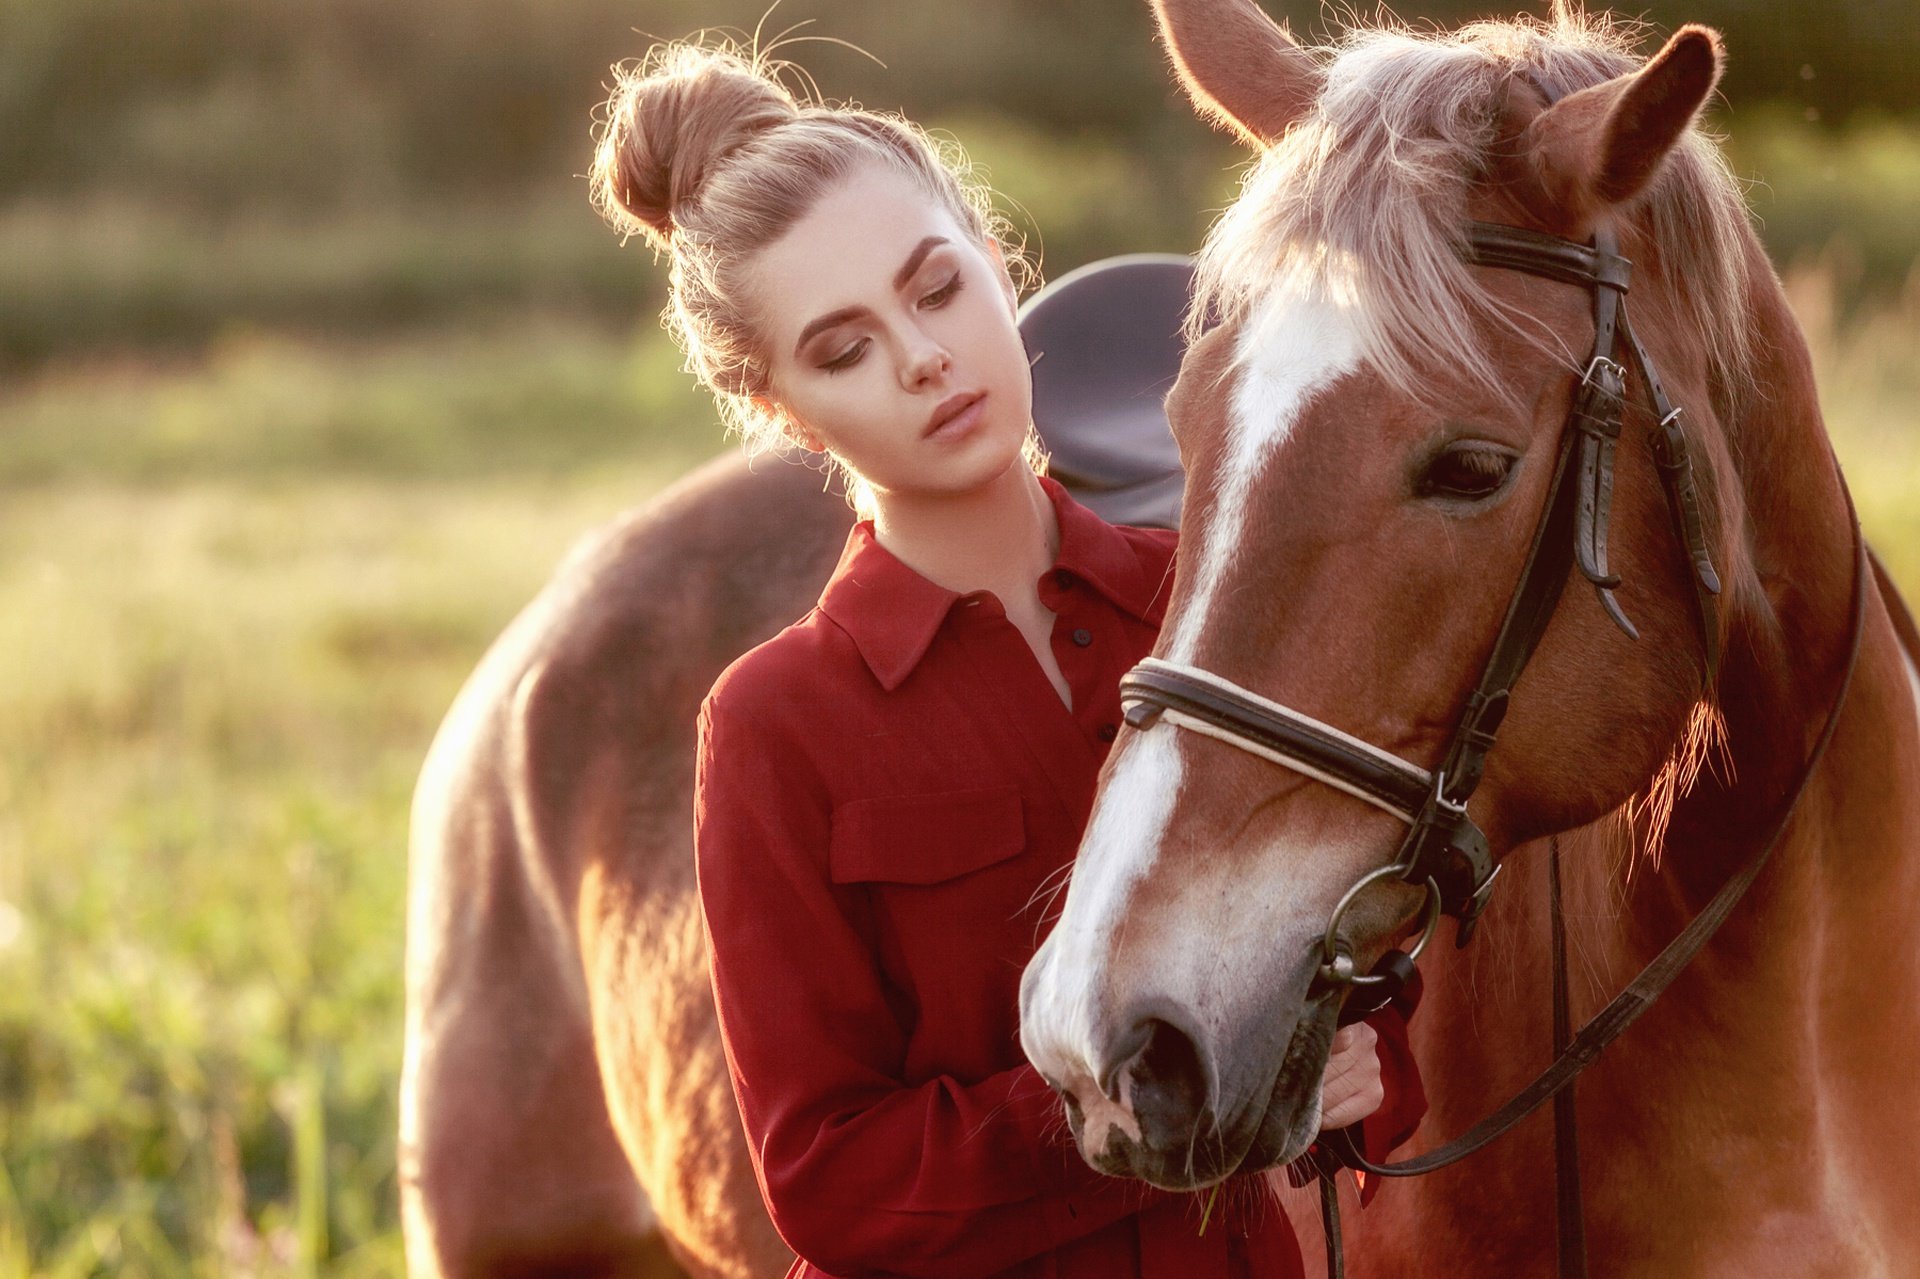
[888,795]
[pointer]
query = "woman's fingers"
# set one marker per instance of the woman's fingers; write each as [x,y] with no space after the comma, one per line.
[1353,1048]
[1351,1088]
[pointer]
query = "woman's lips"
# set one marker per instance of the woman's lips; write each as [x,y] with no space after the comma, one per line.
[956,415]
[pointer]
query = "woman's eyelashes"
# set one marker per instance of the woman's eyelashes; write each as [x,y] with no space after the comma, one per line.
[931,302]
[847,358]
[944,294]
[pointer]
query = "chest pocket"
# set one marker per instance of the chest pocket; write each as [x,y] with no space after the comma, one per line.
[925,839]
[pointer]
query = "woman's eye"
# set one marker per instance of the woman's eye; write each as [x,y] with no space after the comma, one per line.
[944,294]
[1469,471]
[847,358]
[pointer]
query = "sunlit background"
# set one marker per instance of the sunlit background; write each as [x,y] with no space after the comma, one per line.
[313,359]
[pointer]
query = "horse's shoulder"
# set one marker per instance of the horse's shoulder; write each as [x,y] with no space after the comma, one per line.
[638,619]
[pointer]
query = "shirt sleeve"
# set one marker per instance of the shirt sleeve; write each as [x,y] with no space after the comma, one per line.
[863,1174]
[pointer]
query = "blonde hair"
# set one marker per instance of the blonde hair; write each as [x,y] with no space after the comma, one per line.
[708,156]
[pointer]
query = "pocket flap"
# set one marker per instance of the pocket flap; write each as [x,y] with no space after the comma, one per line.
[923,839]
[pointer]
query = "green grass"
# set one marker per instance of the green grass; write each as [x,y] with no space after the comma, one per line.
[217,695]
[236,594]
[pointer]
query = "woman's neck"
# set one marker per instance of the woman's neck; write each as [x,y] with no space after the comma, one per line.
[1001,537]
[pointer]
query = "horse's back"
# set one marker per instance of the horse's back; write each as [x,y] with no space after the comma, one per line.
[553,932]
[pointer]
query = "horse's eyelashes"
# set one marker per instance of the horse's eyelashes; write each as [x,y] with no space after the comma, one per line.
[1465,471]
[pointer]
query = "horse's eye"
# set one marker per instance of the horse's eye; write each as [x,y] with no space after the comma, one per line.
[1465,471]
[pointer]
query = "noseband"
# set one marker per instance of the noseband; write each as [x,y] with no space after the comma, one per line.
[1444,849]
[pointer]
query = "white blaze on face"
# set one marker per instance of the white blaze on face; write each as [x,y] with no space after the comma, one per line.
[1290,349]
[1131,816]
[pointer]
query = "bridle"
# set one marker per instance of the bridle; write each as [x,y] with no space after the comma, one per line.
[1444,850]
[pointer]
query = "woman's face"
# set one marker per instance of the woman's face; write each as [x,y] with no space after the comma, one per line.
[891,340]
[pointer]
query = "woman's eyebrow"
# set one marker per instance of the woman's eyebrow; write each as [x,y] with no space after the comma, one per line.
[900,279]
[915,258]
[826,322]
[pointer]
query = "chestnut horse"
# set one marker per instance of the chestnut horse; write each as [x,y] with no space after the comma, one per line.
[1369,437]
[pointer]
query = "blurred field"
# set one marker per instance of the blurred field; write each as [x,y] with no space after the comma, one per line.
[293,419]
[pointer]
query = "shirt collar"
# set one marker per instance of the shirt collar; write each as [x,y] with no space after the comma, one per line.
[892,613]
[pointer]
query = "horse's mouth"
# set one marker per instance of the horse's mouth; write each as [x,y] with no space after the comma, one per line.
[1274,1127]
[1291,1119]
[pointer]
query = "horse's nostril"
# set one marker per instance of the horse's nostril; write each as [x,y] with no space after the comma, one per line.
[1117,1054]
[1171,1064]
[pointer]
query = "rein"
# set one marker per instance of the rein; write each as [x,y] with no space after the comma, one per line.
[1444,849]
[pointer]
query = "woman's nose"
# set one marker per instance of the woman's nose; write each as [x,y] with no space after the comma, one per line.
[927,361]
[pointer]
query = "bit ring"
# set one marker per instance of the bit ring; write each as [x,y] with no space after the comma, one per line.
[1336,963]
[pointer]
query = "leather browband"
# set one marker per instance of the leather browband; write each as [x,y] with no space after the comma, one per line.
[1518,249]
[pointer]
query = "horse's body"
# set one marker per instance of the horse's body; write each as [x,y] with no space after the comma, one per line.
[1356,515]
[565,1106]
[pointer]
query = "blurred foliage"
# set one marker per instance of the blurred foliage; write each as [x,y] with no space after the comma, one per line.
[171,171]
[1849,197]
[222,104]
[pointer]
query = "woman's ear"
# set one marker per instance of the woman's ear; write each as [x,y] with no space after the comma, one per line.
[790,428]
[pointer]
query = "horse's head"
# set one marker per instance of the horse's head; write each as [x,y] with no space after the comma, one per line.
[1370,433]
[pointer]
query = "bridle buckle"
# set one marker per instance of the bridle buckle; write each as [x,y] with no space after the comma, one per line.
[1616,371]
[1446,848]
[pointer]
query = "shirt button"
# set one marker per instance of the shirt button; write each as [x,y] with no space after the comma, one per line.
[1062,579]
[1083,637]
[1109,731]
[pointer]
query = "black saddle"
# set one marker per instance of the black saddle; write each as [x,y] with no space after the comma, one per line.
[1106,345]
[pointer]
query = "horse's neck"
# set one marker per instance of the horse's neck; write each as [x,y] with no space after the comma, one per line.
[1791,577]
[1812,948]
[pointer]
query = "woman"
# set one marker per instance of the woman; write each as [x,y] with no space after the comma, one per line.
[891,790]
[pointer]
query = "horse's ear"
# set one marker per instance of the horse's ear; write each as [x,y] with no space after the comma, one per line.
[1240,67]
[1601,146]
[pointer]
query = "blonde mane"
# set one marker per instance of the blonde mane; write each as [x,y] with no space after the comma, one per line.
[1365,198]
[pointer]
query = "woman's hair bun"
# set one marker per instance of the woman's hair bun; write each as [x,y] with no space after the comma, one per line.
[672,118]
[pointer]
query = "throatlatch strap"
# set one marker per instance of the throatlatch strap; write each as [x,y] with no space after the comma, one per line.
[1673,455]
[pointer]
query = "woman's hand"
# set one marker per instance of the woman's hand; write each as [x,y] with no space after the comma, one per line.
[1351,1089]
